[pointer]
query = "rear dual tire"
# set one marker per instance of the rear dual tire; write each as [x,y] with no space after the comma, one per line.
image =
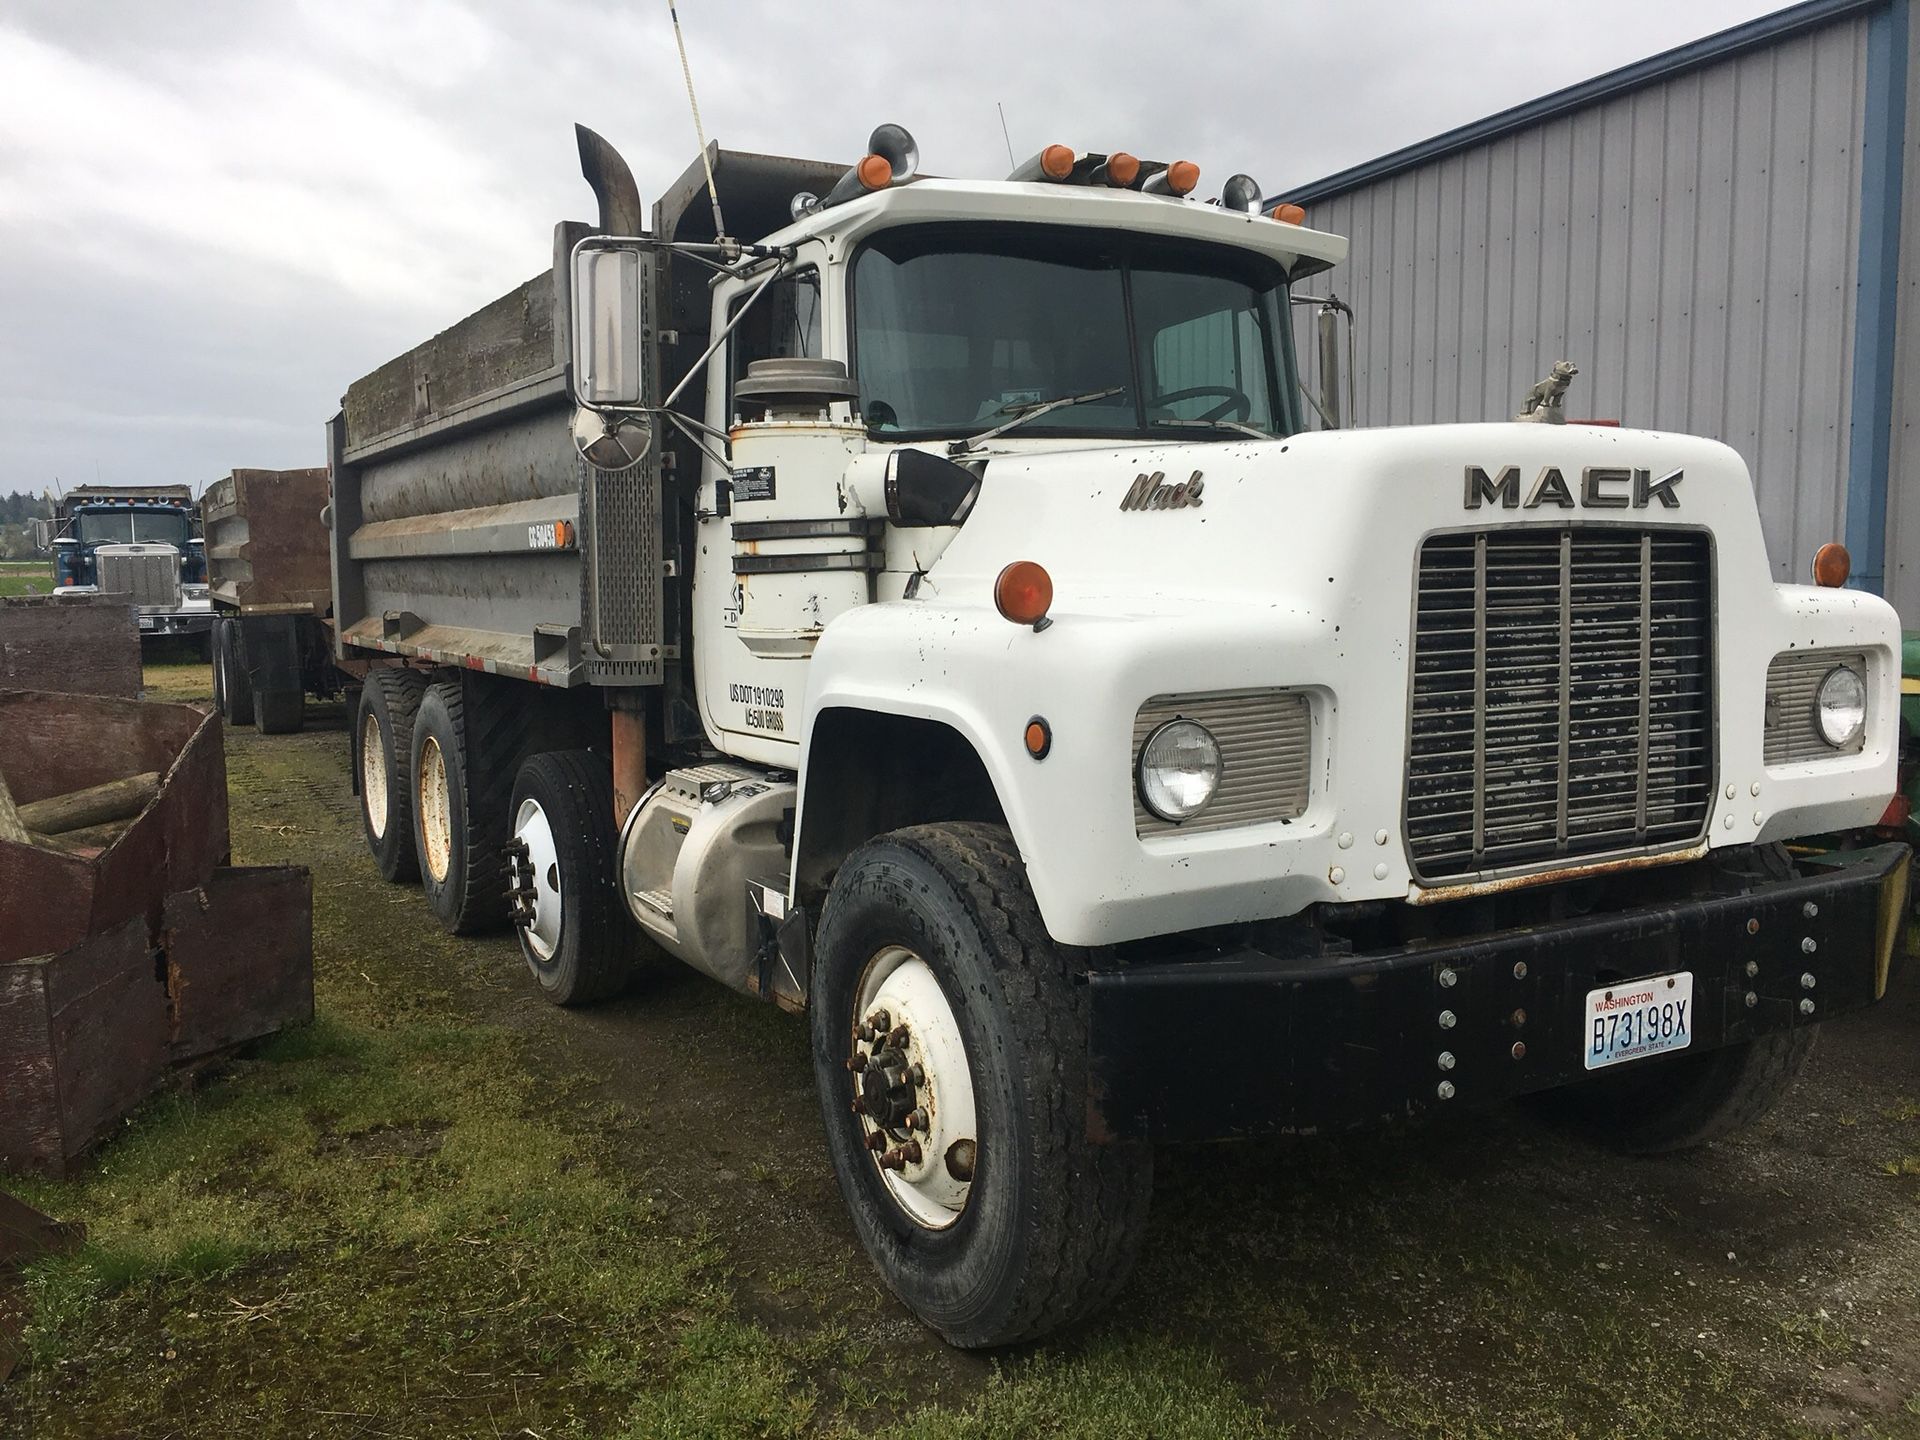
[232,685]
[383,760]
[468,740]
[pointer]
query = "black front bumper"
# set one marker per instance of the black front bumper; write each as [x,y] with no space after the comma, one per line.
[1245,1043]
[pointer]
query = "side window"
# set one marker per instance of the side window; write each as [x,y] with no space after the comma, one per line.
[1222,357]
[783,322]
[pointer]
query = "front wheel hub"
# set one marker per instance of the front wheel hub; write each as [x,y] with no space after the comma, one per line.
[913,1088]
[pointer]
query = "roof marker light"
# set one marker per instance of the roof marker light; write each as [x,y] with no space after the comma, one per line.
[1179,178]
[1832,565]
[1288,213]
[1120,170]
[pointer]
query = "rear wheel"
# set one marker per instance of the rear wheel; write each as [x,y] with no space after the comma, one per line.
[232,686]
[562,865]
[467,744]
[950,1054]
[382,757]
[1657,1107]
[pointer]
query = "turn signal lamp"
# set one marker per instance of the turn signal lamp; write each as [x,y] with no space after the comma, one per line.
[1122,169]
[1182,176]
[876,172]
[1288,214]
[1056,162]
[1832,565]
[1023,593]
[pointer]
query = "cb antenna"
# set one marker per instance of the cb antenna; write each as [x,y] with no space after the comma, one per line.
[700,134]
[1012,164]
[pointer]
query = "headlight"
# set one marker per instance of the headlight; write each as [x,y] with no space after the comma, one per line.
[1179,770]
[1840,706]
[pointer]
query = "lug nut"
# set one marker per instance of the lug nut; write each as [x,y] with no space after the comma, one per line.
[1519,1017]
[1807,982]
[1752,999]
[1808,945]
[917,1120]
[897,1037]
[918,1074]
[880,1020]
[1806,1007]
[859,1106]
[1519,1049]
[1447,1062]
[856,1062]
[1753,968]
[910,1152]
[877,1140]
[1447,1020]
[1519,969]
[1445,1090]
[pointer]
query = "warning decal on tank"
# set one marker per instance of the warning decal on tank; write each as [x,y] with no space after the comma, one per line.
[753,483]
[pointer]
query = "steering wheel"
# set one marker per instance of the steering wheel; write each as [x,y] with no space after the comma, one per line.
[1237,401]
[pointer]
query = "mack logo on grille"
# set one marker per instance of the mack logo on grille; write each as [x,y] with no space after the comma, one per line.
[1599,488]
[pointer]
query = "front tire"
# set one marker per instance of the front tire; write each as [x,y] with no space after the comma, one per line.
[575,934]
[1684,1102]
[1023,1226]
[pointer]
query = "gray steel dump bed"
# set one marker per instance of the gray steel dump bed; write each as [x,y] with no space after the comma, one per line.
[466,530]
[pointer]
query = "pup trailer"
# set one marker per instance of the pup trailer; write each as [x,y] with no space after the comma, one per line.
[938,616]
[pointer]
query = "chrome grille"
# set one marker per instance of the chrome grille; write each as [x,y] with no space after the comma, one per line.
[148,574]
[1562,697]
[1265,745]
[1792,735]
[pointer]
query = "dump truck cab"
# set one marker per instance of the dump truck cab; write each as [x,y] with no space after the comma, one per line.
[136,541]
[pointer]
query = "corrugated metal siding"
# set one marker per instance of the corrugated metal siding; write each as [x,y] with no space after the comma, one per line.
[1691,246]
[1903,486]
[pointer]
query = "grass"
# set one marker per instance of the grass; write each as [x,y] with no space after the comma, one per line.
[444,1209]
[25,577]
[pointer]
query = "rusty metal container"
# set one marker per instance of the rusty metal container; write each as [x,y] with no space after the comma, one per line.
[267,543]
[85,646]
[123,957]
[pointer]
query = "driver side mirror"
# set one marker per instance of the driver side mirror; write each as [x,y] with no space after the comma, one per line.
[609,360]
[42,531]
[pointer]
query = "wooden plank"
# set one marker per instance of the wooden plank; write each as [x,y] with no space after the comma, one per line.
[239,957]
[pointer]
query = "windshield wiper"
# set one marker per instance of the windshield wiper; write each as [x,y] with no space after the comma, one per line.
[1252,430]
[1031,410]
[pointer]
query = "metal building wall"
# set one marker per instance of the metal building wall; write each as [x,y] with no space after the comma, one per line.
[1903,487]
[1691,245]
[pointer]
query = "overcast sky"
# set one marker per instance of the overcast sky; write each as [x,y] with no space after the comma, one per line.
[214,216]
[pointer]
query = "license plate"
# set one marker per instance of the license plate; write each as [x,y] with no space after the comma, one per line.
[1639,1018]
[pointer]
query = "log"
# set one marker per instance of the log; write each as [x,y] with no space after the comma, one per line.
[96,805]
[11,826]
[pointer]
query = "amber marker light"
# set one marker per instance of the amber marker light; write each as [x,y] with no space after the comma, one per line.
[1288,213]
[1023,593]
[1039,737]
[1182,176]
[1056,162]
[1122,169]
[876,172]
[1832,565]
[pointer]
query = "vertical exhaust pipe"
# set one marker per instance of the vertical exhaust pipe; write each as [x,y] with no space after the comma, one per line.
[612,182]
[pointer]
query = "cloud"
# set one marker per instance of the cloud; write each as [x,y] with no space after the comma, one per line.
[213,218]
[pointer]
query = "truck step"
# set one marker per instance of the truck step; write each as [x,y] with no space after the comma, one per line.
[658,901]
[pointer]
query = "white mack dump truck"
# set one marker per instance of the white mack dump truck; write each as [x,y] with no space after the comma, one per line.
[940,616]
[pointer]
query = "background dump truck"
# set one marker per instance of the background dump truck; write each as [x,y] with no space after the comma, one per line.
[940,616]
[267,557]
[133,540]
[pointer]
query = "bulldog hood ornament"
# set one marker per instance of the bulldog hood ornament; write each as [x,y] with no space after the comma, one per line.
[1543,400]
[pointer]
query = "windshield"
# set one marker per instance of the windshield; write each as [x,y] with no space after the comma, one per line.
[956,328]
[118,526]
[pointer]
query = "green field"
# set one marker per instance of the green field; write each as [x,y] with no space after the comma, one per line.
[446,1208]
[25,577]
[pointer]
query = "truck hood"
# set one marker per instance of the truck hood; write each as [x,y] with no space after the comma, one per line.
[1316,518]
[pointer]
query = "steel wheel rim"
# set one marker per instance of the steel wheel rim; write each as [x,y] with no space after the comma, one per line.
[373,776]
[931,1190]
[436,811]
[532,829]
